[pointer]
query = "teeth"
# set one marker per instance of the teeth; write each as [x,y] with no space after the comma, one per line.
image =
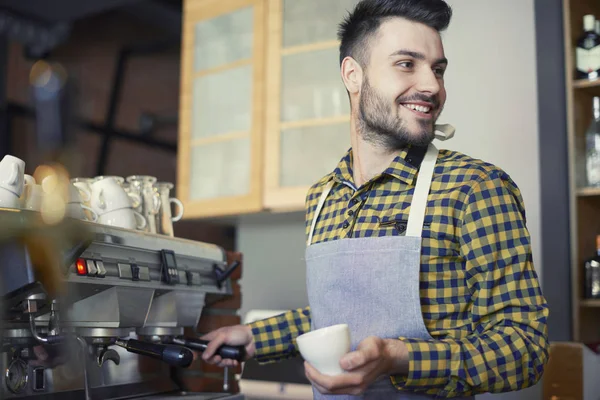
[415,107]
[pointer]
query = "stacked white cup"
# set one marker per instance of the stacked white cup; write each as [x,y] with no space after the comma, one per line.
[33,194]
[12,171]
[78,196]
[114,205]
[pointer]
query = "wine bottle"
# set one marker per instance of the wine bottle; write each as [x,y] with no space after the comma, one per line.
[592,274]
[592,138]
[588,50]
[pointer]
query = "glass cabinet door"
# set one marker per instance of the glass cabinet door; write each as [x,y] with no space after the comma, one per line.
[308,115]
[220,147]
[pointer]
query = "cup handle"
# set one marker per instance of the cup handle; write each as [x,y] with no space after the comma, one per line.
[136,200]
[179,207]
[14,174]
[86,195]
[94,213]
[101,202]
[142,221]
[156,203]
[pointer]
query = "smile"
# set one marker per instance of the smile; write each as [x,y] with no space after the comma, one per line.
[417,107]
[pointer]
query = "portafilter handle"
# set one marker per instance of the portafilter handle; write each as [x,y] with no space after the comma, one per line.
[176,356]
[232,352]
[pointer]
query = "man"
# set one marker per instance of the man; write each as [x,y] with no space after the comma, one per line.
[426,256]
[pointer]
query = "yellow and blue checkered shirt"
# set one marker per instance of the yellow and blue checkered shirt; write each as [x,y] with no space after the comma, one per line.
[480,295]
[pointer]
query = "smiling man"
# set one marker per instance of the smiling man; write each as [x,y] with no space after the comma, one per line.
[425,254]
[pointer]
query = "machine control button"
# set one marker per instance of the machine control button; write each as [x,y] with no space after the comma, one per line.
[144,274]
[189,276]
[124,271]
[135,272]
[91,267]
[101,269]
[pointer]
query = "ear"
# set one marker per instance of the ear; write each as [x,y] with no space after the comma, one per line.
[352,75]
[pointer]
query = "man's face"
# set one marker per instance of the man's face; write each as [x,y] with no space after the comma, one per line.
[402,92]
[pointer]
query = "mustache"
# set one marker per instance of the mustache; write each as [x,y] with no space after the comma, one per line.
[419,97]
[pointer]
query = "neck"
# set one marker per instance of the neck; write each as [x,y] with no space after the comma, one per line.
[368,159]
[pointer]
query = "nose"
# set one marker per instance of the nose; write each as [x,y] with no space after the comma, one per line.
[428,82]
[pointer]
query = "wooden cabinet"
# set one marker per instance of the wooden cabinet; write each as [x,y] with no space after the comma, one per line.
[264,113]
[584,201]
[222,103]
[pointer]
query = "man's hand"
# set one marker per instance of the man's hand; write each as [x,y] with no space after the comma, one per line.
[374,357]
[231,335]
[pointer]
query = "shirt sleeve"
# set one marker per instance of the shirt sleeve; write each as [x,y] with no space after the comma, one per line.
[507,347]
[275,338]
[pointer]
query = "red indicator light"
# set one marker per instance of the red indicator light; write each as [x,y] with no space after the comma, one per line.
[81,267]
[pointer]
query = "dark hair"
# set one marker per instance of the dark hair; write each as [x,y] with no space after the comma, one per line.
[367,16]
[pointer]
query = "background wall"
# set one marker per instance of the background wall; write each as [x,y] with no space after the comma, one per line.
[492,102]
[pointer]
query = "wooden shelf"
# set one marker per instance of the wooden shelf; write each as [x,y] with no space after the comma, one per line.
[592,87]
[590,303]
[588,191]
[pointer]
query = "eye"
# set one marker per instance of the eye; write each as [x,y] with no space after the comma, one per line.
[405,64]
[439,71]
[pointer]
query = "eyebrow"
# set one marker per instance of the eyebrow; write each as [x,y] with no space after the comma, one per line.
[418,56]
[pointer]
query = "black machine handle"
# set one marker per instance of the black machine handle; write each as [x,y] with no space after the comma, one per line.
[225,351]
[221,275]
[176,356]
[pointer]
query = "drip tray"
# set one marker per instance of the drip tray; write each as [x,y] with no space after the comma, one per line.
[194,396]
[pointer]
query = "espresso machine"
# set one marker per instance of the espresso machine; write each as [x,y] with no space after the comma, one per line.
[115,329]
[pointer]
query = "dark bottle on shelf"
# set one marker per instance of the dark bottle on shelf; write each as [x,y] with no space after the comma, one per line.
[588,50]
[592,274]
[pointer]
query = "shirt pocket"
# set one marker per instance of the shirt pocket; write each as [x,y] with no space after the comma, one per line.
[397,223]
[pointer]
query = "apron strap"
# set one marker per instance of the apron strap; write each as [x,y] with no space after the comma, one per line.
[418,204]
[318,211]
[416,216]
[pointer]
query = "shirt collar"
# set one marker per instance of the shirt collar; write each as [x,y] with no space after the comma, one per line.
[399,168]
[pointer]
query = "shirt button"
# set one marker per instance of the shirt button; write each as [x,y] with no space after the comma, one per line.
[354,201]
[401,227]
[346,225]
[350,212]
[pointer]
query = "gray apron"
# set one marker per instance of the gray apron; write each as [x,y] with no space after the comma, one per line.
[372,284]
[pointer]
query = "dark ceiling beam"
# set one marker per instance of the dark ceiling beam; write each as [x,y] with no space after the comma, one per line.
[61,10]
[168,18]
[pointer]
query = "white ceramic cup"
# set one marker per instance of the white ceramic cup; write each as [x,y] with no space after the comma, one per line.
[9,199]
[76,210]
[126,218]
[108,195]
[33,194]
[12,174]
[324,348]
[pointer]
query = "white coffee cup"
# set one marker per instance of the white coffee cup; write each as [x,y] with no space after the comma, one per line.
[126,218]
[12,171]
[324,348]
[76,210]
[9,199]
[108,195]
[33,194]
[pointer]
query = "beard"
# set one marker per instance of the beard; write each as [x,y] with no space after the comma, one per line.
[379,123]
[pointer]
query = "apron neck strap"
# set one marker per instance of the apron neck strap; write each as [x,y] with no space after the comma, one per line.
[419,200]
[318,210]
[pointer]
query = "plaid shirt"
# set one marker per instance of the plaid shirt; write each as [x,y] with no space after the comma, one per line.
[480,296]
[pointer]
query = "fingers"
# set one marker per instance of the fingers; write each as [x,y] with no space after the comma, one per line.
[211,335]
[228,363]
[341,384]
[217,341]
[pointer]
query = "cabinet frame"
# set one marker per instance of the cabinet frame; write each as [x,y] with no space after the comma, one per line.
[277,198]
[195,12]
